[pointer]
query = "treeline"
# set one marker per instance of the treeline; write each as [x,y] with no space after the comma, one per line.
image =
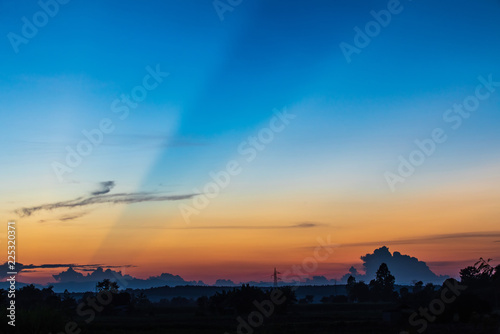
[472,300]
[44,311]
[475,295]
[479,284]
[246,299]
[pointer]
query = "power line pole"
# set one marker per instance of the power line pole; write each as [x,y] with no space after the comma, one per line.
[276,278]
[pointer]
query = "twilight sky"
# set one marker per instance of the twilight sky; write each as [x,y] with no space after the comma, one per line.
[302,138]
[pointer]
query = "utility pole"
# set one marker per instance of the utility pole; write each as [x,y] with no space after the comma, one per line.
[276,278]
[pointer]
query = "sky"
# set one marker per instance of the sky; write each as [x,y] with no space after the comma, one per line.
[318,121]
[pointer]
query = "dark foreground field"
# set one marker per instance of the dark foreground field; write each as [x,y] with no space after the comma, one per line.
[312,318]
[469,306]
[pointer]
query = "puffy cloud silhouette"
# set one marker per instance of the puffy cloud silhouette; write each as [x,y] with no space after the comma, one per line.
[168,279]
[352,272]
[224,282]
[76,281]
[98,274]
[318,280]
[69,275]
[405,268]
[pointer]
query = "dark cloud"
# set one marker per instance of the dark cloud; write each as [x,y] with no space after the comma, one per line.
[354,272]
[69,275]
[318,280]
[105,187]
[98,274]
[405,268]
[77,266]
[121,198]
[4,268]
[225,282]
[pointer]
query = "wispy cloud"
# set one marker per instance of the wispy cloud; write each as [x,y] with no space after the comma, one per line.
[33,267]
[428,239]
[238,227]
[73,265]
[105,187]
[67,217]
[451,263]
[100,197]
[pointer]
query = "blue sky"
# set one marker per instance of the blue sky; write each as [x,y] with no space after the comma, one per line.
[227,76]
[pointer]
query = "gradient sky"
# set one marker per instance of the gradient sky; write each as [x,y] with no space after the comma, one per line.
[322,175]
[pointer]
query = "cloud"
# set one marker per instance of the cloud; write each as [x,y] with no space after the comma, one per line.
[69,275]
[405,268]
[238,227]
[427,239]
[306,225]
[224,282]
[4,268]
[318,280]
[101,198]
[66,217]
[105,187]
[98,274]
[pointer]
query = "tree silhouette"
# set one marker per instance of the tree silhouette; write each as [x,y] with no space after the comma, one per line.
[357,291]
[417,287]
[107,285]
[382,286]
[68,303]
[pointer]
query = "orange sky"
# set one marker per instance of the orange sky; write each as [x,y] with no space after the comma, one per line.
[256,234]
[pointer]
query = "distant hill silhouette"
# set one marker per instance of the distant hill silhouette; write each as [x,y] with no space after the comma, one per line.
[405,268]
